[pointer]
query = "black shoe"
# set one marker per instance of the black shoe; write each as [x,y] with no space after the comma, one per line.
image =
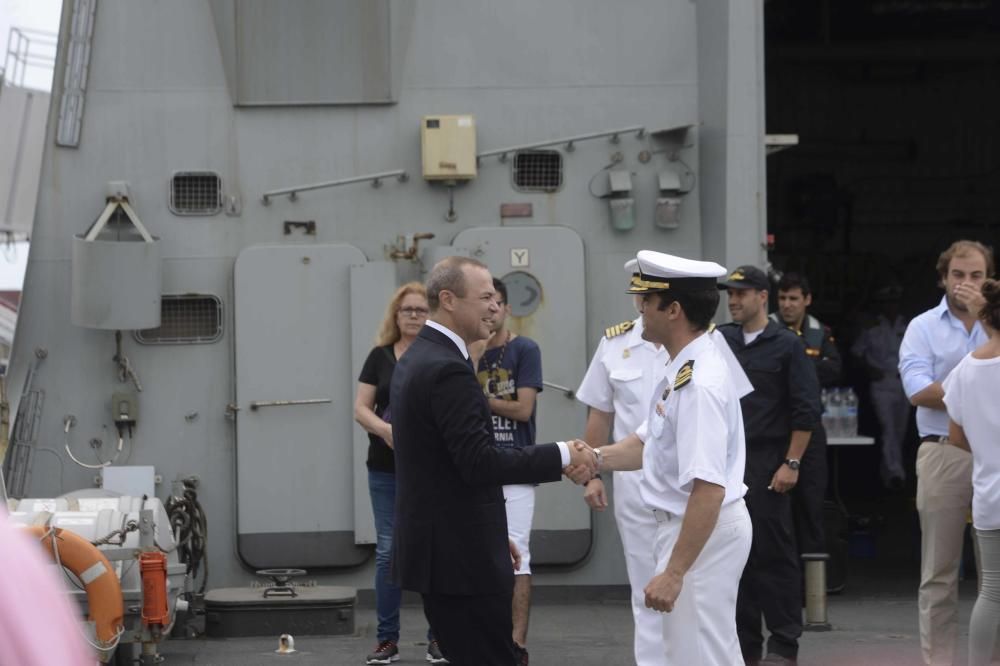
[774,659]
[385,652]
[434,655]
[521,654]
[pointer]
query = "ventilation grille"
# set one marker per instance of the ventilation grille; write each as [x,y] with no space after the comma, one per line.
[538,170]
[188,319]
[196,193]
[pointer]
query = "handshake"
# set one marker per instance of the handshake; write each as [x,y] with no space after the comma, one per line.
[582,462]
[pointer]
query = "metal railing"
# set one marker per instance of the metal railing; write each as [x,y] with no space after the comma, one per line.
[30,58]
[568,142]
[375,178]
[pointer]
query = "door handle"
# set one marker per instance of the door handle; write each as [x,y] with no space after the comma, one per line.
[570,393]
[257,404]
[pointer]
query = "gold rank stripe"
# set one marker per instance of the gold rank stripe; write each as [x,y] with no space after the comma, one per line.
[810,351]
[649,284]
[618,329]
[684,375]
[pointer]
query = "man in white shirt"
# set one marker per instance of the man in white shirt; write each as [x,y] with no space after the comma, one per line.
[692,452]
[617,389]
[934,343]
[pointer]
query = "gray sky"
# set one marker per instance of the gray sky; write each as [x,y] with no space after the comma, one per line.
[31,15]
[34,15]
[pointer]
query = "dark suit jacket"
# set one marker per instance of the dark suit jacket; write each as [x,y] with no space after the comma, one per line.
[450,533]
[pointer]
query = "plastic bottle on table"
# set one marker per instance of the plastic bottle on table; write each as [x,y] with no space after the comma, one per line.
[835,410]
[850,407]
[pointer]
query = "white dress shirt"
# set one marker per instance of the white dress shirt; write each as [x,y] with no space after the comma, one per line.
[694,431]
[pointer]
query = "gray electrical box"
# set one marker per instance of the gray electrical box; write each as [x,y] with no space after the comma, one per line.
[124,408]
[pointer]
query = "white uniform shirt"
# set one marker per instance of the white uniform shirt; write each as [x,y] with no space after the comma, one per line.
[970,394]
[693,432]
[621,377]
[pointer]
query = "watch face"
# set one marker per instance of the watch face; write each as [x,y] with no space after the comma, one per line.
[794,464]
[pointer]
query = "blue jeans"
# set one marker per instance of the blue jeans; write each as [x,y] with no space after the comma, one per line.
[382,489]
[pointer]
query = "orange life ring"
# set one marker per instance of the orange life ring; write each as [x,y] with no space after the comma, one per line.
[104,591]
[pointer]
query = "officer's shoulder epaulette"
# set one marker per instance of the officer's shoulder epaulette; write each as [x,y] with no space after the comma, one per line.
[618,329]
[684,375]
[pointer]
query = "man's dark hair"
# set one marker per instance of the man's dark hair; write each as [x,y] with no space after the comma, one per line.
[791,281]
[500,288]
[699,306]
[448,274]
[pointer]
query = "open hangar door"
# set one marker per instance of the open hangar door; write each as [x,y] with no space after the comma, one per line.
[895,107]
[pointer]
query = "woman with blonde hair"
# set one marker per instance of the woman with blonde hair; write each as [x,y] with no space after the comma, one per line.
[404,317]
[970,394]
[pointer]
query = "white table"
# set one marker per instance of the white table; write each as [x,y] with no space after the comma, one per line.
[860,440]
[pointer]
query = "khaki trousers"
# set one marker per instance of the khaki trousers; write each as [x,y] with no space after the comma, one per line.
[944,496]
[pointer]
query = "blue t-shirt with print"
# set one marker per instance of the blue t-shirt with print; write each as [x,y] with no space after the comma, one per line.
[502,371]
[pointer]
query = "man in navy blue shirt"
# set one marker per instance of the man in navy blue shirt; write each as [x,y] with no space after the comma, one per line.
[510,372]
[779,417]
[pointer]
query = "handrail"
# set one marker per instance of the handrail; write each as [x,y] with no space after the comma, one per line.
[375,178]
[569,141]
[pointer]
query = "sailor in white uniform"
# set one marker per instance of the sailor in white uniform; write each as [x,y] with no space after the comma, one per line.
[692,452]
[619,385]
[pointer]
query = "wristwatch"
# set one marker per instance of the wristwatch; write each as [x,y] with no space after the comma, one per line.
[793,463]
[600,457]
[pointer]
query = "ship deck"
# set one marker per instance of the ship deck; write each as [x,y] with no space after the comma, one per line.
[874,618]
[874,623]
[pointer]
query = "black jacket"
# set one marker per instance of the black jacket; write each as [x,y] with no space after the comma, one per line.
[450,534]
[786,391]
[820,347]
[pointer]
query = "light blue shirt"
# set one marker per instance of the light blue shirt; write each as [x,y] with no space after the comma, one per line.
[934,343]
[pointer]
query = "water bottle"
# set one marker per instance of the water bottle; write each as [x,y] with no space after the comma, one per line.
[834,408]
[824,399]
[850,406]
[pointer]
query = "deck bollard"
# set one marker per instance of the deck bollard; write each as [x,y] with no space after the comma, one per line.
[815,568]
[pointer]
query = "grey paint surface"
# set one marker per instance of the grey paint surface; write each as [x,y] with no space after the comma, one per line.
[158,101]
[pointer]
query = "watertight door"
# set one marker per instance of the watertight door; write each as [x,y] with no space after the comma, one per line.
[294,389]
[543,270]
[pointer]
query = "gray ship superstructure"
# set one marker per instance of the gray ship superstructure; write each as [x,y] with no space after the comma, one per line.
[231,189]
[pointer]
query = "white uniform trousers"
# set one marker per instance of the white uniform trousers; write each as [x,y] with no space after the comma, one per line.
[893,412]
[637,529]
[944,495]
[701,630]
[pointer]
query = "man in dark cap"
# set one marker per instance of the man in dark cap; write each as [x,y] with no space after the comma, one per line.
[779,417]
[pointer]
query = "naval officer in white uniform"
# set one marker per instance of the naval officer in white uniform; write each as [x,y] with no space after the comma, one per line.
[692,451]
[617,389]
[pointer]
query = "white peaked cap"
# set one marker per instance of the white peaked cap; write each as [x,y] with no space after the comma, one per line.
[660,264]
[665,272]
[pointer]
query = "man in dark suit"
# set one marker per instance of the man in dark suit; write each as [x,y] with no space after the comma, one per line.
[450,539]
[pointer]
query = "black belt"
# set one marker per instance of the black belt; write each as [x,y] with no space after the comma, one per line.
[933,438]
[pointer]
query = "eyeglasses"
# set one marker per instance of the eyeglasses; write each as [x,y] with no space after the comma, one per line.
[414,312]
